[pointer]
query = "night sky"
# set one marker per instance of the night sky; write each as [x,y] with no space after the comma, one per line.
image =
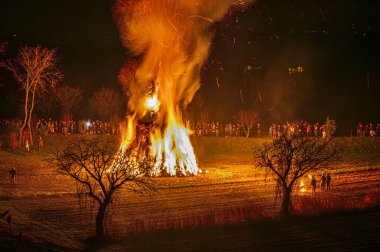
[337,44]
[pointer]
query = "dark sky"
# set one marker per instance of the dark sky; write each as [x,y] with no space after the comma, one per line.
[337,44]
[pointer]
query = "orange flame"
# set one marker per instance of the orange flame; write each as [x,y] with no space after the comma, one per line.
[173,38]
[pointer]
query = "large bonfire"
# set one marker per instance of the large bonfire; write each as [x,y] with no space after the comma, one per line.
[170,40]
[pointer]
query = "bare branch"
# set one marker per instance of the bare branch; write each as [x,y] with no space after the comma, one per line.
[289,159]
[103,170]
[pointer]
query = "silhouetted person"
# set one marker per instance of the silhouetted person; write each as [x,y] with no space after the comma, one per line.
[328,181]
[313,184]
[12,174]
[27,146]
[40,143]
[323,182]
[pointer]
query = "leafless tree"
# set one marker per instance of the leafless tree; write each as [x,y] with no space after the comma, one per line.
[102,169]
[106,103]
[248,118]
[35,70]
[288,159]
[68,98]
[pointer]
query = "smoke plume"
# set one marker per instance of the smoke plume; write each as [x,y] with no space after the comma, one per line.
[171,39]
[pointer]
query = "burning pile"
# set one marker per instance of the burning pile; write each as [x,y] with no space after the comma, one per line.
[170,40]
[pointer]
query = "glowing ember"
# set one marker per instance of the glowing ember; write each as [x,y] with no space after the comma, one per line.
[302,187]
[152,103]
[172,39]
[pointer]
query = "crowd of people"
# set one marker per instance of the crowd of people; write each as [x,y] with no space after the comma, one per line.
[199,129]
[303,128]
[275,130]
[324,184]
[66,126]
[368,130]
[220,130]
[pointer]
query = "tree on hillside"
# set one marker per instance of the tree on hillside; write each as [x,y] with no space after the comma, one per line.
[100,167]
[35,70]
[248,118]
[106,103]
[68,98]
[290,158]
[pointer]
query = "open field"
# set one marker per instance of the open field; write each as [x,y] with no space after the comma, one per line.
[46,210]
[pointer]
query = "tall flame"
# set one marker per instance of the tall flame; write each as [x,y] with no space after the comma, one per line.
[172,39]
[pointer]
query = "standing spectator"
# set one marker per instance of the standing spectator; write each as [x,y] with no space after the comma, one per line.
[313,184]
[328,180]
[323,182]
[40,143]
[258,130]
[27,146]
[323,131]
[359,130]
[316,130]
[274,130]
[372,132]
[270,131]
[12,174]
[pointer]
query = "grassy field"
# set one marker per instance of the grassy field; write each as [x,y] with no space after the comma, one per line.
[47,212]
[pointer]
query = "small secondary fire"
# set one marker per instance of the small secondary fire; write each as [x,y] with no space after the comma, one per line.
[171,40]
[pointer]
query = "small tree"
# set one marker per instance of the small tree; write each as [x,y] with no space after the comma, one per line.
[102,170]
[68,98]
[330,127]
[290,158]
[106,103]
[35,70]
[248,118]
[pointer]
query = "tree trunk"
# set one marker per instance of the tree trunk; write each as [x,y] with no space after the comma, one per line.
[20,141]
[30,134]
[30,117]
[247,132]
[100,219]
[286,202]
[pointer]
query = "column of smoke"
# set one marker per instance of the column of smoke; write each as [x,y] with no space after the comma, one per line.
[170,40]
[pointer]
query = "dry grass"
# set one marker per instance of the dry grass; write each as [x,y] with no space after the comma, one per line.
[228,191]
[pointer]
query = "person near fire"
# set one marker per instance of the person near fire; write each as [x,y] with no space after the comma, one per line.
[323,182]
[313,184]
[40,143]
[12,175]
[328,181]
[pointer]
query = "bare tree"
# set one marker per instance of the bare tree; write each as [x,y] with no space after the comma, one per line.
[106,103]
[248,118]
[68,98]
[288,159]
[35,70]
[103,170]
